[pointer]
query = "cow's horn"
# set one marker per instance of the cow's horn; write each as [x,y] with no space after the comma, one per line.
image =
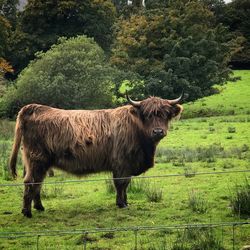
[177,100]
[134,103]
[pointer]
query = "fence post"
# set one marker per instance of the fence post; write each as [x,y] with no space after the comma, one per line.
[37,242]
[233,236]
[85,241]
[222,235]
[135,232]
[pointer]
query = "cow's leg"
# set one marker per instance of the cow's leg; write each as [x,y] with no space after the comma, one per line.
[121,192]
[27,199]
[36,172]
[37,195]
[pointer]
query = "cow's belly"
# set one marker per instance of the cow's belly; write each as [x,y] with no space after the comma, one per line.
[82,166]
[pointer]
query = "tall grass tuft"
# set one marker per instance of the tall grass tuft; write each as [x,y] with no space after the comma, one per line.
[135,186]
[6,129]
[110,188]
[189,172]
[197,239]
[56,190]
[197,203]
[154,194]
[4,155]
[240,199]
[179,156]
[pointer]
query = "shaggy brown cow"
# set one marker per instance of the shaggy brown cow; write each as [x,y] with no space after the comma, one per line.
[121,140]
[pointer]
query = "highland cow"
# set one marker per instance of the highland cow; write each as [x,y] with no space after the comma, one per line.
[121,140]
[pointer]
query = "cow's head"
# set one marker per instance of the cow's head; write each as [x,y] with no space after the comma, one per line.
[155,114]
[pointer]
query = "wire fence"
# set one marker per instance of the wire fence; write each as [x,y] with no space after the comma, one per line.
[124,178]
[134,229]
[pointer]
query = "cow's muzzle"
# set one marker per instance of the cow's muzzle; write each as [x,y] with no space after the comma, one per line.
[158,134]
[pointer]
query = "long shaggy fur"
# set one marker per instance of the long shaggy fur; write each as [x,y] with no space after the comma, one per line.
[83,141]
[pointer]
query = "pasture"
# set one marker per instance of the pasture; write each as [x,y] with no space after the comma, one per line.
[214,140]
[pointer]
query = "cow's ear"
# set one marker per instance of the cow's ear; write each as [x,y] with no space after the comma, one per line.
[177,110]
[135,111]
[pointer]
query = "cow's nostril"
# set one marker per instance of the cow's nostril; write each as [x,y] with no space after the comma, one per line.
[158,131]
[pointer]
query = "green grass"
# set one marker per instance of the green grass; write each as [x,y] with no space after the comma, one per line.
[202,144]
[233,99]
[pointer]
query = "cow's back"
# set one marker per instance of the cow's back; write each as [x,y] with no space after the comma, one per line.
[78,141]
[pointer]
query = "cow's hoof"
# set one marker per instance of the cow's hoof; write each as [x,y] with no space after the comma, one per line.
[122,205]
[39,207]
[27,213]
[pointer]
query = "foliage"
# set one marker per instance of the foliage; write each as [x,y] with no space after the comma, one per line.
[8,8]
[43,22]
[236,17]
[175,48]
[4,32]
[72,74]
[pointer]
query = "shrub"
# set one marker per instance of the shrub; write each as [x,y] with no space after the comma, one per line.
[73,74]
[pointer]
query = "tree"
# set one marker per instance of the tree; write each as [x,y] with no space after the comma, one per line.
[236,17]
[175,48]
[72,74]
[4,33]
[8,9]
[43,22]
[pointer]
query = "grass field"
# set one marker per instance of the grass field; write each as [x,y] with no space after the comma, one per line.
[216,138]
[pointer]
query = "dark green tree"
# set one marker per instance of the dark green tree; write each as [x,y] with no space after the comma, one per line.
[175,48]
[4,34]
[43,22]
[8,9]
[236,17]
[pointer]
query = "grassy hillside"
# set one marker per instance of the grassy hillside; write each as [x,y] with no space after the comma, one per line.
[202,144]
[233,99]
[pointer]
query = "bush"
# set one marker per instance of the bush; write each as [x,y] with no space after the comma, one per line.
[73,74]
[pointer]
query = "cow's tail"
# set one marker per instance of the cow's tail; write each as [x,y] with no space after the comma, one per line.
[15,148]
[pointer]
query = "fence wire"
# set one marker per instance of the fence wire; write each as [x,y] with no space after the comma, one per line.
[124,178]
[134,229]
[11,235]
